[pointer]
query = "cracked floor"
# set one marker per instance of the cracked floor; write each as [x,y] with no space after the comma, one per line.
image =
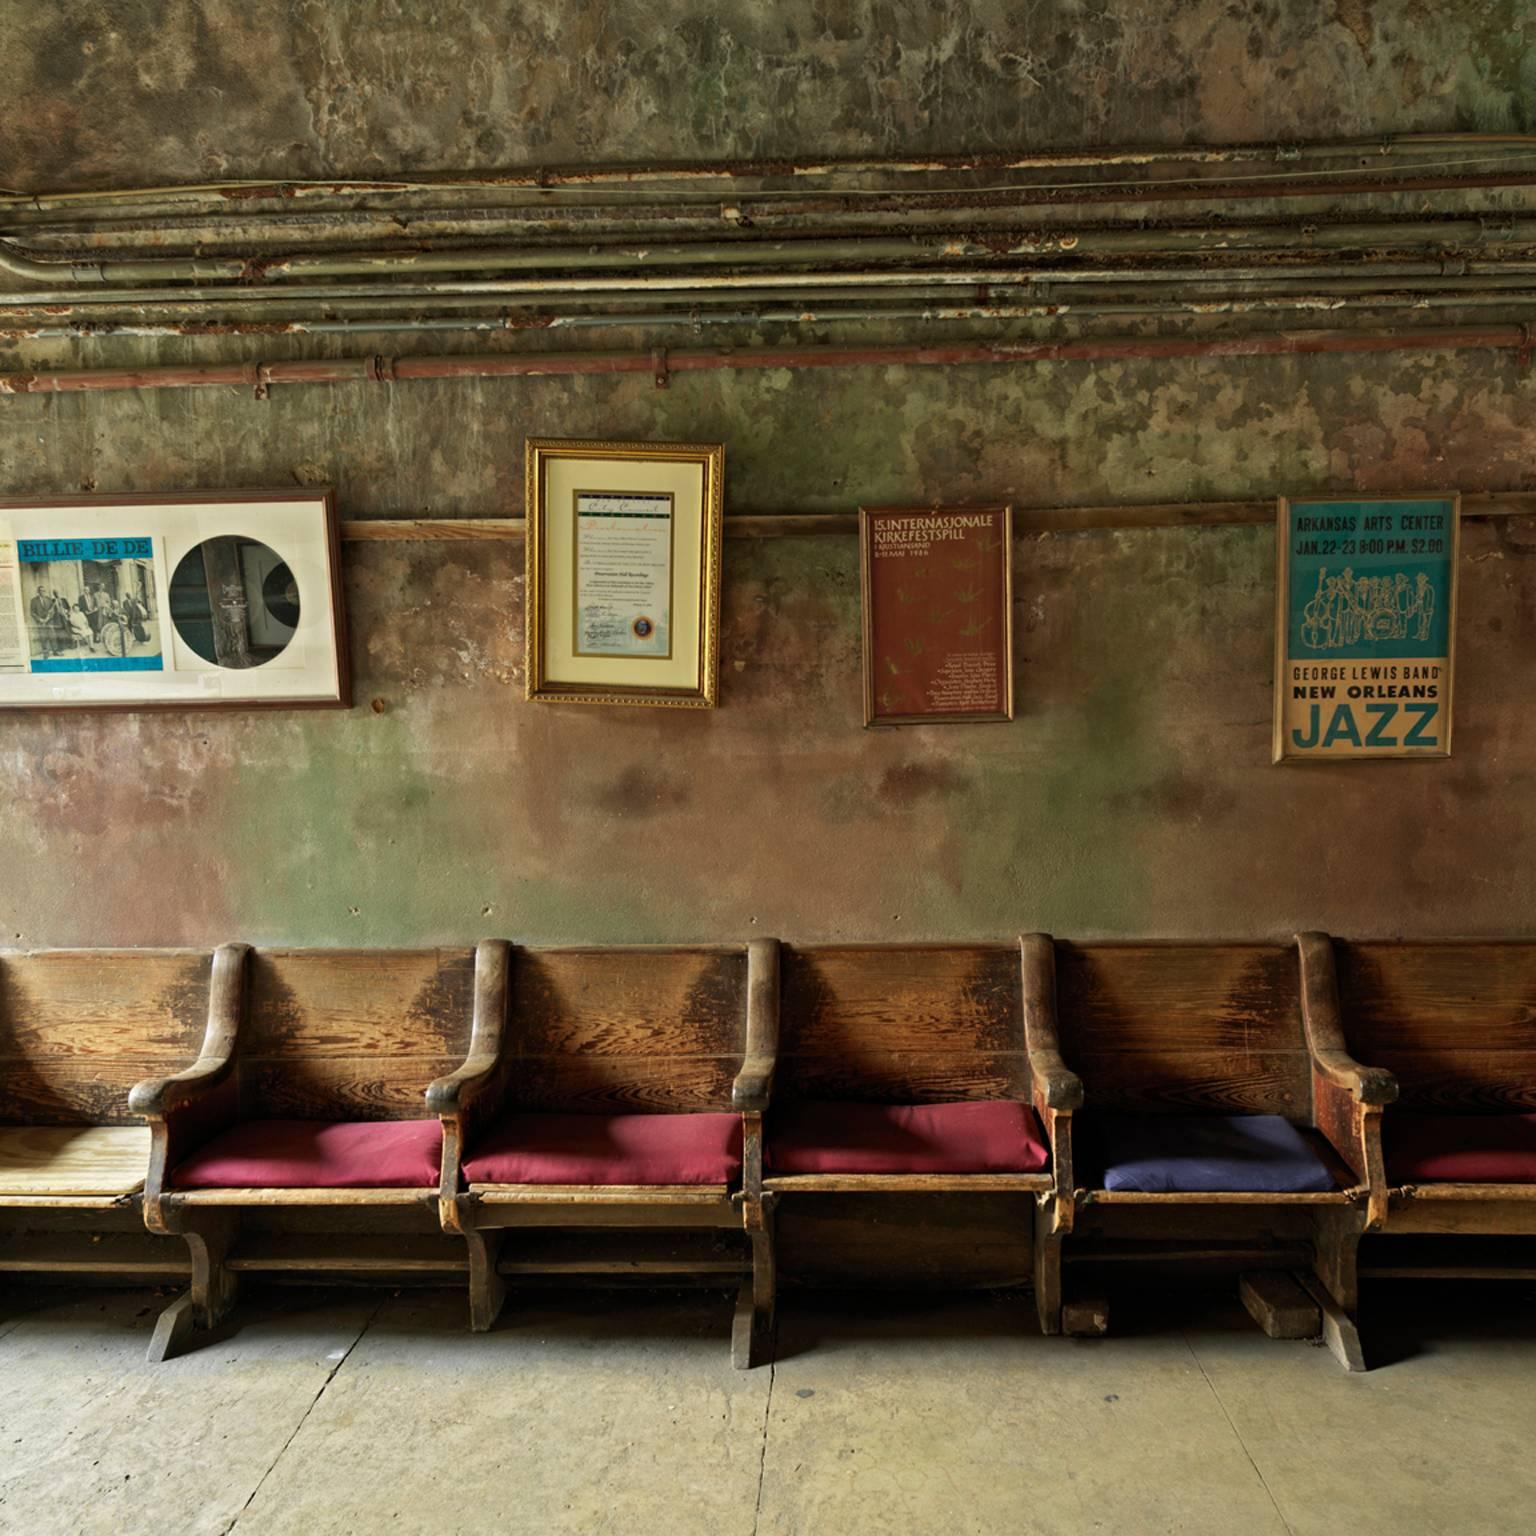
[323,1412]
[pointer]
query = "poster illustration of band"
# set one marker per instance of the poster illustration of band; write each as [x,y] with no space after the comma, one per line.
[90,605]
[1365,627]
[938,623]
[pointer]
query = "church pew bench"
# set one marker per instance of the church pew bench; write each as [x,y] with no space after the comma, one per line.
[915,1077]
[616,1088]
[297,1143]
[77,1029]
[1455,1022]
[1225,1120]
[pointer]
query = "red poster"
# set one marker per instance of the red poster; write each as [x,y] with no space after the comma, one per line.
[938,621]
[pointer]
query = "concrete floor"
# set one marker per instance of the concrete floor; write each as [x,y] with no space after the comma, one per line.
[619,1412]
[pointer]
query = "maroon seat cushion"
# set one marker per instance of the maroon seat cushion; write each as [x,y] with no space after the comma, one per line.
[317,1154]
[608,1149]
[984,1136]
[1459,1149]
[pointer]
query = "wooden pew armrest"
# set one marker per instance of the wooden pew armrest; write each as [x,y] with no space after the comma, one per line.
[156,1098]
[1056,1085]
[754,1082]
[1368,1085]
[459,1092]
[753,1085]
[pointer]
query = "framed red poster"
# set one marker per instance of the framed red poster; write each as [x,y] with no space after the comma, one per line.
[938,613]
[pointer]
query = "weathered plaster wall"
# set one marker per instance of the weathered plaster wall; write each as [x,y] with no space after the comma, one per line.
[136,90]
[1132,796]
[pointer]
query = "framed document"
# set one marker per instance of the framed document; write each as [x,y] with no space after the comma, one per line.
[191,601]
[938,613]
[623,560]
[1365,626]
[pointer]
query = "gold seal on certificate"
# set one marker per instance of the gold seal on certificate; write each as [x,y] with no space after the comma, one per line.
[623,573]
[623,559]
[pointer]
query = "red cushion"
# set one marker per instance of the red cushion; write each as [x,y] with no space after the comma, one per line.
[608,1149]
[1459,1149]
[985,1136]
[317,1154]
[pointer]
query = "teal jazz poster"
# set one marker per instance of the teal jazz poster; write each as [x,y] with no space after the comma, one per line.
[1365,627]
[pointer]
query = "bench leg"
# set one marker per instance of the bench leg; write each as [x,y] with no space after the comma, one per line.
[211,1294]
[487,1287]
[1047,1263]
[214,1285]
[1335,1283]
[752,1327]
[172,1330]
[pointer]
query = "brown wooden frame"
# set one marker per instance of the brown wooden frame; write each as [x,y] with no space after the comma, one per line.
[324,494]
[1055,1093]
[1448,1002]
[467,1099]
[188,1108]
[1334,1096]
[76,1027]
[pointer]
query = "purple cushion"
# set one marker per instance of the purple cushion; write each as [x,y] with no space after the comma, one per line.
[1160,1154]
[608,1149]
[317,1154]
[982,1136]
[1471,1149]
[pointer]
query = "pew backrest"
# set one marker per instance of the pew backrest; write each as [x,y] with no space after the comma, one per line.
[626,1030]
[351,1034]
[78,1028]
[901,1024]
[1455,1022]
[1185,1028]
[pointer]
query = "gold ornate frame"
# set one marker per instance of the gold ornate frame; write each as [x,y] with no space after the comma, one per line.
[710,457]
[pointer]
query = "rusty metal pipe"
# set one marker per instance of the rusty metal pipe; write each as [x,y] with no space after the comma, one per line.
[890,279]
[661,364]
[801,315]
[547,178]
[1436,234]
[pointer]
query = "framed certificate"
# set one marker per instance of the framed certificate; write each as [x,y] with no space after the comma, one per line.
[623,561]
[188,601]
[1365,626]
[938,613]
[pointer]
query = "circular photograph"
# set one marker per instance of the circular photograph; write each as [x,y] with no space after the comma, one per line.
[234,601]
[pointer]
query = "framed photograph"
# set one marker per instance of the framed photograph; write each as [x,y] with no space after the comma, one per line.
[623,560]
[186,601]
[1365,626]
[938,613]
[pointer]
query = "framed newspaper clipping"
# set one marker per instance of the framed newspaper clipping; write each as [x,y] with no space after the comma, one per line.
[623,563]
[195,600]
[1365,626]
[938,613]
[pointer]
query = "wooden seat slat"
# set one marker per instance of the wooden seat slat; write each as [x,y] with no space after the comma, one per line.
[176,1199]
[73,1160]
[601,1194]
[908,1183]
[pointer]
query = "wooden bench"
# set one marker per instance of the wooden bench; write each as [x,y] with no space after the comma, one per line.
[1455,1023]
[661,1033]
[1202,1030]
[77,1029]
[921,1025]
[298,1038]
